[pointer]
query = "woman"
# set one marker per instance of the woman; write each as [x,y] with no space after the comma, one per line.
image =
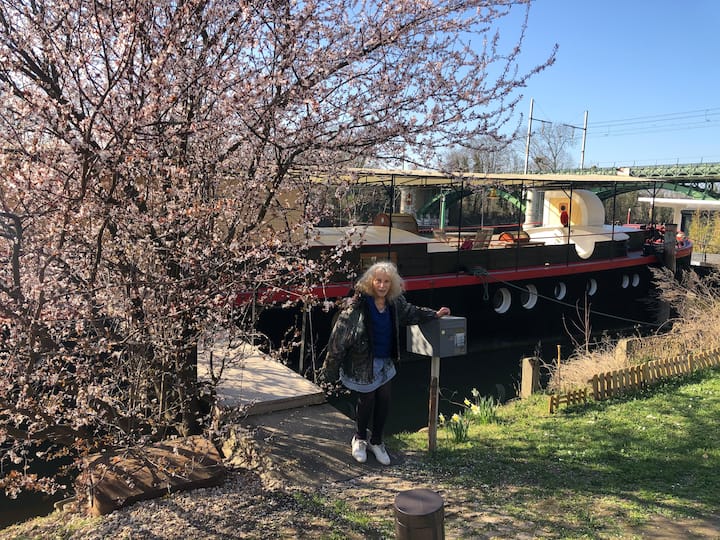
[363,346]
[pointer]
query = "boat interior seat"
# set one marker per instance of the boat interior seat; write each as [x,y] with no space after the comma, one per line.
[482,239]
[440,235]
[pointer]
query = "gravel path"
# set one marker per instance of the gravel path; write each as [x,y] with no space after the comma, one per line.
[252,505]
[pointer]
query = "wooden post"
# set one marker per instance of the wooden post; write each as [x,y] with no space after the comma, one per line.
[530,381]
[558,367]
[621,349]
[433,406]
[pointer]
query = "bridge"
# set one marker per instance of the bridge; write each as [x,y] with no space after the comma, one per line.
[699,181]
[694,180]
[697,170]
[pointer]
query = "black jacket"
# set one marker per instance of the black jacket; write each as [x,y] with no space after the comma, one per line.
[351,341]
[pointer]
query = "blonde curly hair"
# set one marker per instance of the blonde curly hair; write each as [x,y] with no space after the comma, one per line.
[365,283]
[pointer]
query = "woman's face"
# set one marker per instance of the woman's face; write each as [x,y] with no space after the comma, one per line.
[381,284]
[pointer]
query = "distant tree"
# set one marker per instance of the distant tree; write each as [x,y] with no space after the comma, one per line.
[158,157]
[714,244]
[705,231]
[484,155]
[550,148]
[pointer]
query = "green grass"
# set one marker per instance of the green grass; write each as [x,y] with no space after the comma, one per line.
[342,515]
[598,467]
[53,527]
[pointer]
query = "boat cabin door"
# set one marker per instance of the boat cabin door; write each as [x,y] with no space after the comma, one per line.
[560,213]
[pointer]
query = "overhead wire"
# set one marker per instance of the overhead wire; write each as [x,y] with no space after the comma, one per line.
[639,125]
[659,117]
[659,123]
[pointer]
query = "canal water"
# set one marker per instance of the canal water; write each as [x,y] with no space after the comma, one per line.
[26,506]
[29,504]
[492,372]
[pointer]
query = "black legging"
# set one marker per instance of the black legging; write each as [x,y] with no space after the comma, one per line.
[377,404]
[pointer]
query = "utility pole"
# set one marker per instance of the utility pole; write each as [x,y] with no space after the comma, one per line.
[582,150]
[529,132]
[527,140]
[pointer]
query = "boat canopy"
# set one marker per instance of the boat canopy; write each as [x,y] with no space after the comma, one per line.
[367,235]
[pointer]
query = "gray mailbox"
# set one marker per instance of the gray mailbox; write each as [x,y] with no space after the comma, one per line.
[438,338]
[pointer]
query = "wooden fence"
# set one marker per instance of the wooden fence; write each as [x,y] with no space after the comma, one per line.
[633,378]
[574,397]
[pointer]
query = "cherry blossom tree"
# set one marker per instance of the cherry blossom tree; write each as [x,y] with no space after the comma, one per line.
[158,157]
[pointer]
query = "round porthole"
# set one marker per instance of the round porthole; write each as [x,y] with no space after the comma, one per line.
[635,280]
[529,296]
[502,300]
[625,283]
[591,286]
[560,290]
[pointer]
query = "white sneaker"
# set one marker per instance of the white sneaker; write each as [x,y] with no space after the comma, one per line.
[380,453]
[359,449]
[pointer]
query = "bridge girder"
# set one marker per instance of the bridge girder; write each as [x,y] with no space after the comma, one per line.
[691,189]
[452,197]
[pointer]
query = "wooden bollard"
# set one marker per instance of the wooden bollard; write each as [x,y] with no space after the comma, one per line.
[419,515]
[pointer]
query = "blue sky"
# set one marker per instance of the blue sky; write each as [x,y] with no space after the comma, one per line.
[647,72]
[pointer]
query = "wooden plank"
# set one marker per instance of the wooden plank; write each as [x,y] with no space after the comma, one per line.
[121,477]
[254,382]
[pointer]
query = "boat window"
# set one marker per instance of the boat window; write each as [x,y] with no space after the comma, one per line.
[560,290]
[625,281]
[529,296]
[591,287]
[502,300]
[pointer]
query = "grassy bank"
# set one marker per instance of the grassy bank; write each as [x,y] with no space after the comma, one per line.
[602,470]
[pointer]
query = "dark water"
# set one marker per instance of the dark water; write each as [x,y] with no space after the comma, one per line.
[493,372]
[30,504]
[26,506]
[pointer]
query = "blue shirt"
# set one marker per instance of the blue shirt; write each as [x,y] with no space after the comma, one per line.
[381,330]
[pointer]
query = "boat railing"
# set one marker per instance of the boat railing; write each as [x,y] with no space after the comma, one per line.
[585,240]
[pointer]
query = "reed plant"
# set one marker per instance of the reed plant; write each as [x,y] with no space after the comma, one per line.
[694,303]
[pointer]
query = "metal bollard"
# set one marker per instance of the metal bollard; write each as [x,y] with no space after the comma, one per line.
[419,515]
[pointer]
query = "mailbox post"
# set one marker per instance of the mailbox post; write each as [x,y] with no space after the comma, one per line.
[438,338]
